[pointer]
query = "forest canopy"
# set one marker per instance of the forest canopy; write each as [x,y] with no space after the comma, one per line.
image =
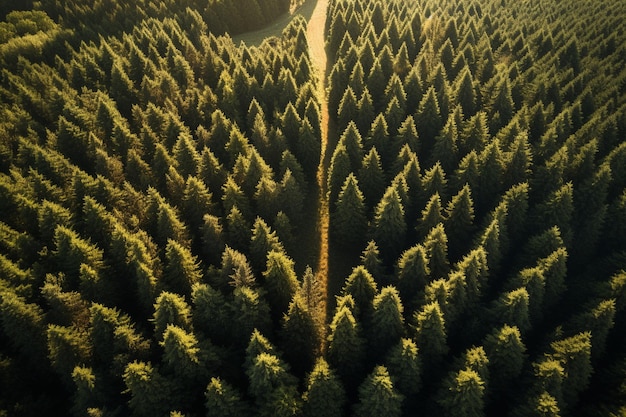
[433,223]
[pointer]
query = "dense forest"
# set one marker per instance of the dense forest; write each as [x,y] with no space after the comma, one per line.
[433,224]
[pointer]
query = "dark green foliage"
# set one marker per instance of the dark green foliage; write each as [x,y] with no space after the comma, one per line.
[346,347]
[389,226]
[324,395]
[162,188]
[223,400]
[281,282]
[377,395]
[349,220]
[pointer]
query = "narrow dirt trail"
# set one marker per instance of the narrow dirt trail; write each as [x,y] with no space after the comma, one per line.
[317,52]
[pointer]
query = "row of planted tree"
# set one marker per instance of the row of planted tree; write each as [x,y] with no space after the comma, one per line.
[156,187]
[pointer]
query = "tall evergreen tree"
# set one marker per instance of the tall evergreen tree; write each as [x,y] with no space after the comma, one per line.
[389,225]
[324,395]
[349,219]
[378,396]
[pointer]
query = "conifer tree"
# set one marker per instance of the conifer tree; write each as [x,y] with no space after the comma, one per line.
[434,181]
[186,156]
[428,120]
[281,282]
[346,347]
[464,395]
[412,272]
[436,246]
[263,241]
[387,324]
[170,308]
[150,392]
[324,395]
[574,355]
[209,313]
[404,364]
[512,308]
[223,400]
[370,259]
[300,336]
[248,311]
[366,112]
[181,269]
[340,168]
[378,395]
[466,93]
[389,225]
[238,229]
[349,219]
[431,335]
[459,220]
[431,216]
[506,353]
[273,388]
[348,108]
[372,178]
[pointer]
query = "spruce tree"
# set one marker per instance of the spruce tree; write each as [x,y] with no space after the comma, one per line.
[281,282]
[464,396]
[346,347]
[378,396]
[506,353]
[223,400]
[404,364]
[459,220]
[349,218]
[181,269]
[324,395]
[389,226]
[431,335]
[436,246]
[412,272]
[300,336]
[372,178]
[387,323]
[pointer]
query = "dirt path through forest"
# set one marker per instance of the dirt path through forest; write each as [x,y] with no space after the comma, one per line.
[317,52]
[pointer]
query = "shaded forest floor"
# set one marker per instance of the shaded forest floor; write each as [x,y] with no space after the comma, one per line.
[305,8]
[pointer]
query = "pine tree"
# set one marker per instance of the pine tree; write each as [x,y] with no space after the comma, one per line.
[436,246]
[506,353]
[405,368]
[340,168]
[378,396]
[324,395]
[389,225]
[300,336]
[210,313]
[466,93]
[169,309]
[459,220]
[273,387]
[387,324]
[464,395]
[150,392]
[263,241]
[412,272]
[348,108]
[428,120]
[431,334]
[223,400]
[574,355]
[238,229]
[372,178]
[248,311]
[431,216]
[362,287]
[186,156]
[281,282]
[512,308]
[181,269]
[349,219]
[346,347]
[366,112]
